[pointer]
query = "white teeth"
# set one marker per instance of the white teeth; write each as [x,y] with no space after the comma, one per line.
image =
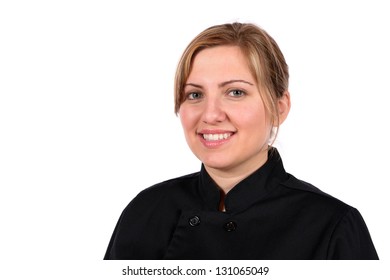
[216,137]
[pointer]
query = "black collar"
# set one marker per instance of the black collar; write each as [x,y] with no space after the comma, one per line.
[253,188]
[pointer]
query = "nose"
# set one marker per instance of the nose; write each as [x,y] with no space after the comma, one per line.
[213,112]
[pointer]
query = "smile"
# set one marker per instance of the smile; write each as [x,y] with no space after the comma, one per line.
[216,137]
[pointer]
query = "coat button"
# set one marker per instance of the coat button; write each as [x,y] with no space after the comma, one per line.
[194,221]
[230,226]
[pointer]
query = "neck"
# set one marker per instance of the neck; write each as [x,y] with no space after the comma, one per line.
[228,178]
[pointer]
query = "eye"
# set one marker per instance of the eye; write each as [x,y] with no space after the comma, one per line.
[236,93]
[194,95]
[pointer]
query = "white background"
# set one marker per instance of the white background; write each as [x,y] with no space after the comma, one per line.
[87,122]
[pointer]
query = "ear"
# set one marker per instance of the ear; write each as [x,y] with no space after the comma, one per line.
[284,105]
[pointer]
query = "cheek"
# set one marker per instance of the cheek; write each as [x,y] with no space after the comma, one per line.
[187,119]
[253,119]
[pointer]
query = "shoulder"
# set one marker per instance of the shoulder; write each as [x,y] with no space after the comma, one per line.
[167,194]
[351,239]
[314,198]
[171,186]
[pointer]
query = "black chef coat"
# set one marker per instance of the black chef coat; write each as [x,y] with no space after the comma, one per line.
[269,215]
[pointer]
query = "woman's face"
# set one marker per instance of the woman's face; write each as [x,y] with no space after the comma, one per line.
[223,116]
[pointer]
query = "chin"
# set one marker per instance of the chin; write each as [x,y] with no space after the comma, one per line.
[217,163]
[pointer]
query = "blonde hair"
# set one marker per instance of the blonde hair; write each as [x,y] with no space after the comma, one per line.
[266,61]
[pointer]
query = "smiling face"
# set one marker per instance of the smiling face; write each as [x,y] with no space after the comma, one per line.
[223,115]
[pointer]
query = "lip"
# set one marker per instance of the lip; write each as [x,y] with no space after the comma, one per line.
[214,144]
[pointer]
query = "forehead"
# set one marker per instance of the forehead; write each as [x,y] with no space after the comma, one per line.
[221,61]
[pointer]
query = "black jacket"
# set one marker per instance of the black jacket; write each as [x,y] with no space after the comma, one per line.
[269,215]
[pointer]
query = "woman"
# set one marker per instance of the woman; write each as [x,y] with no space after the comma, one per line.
[231,93]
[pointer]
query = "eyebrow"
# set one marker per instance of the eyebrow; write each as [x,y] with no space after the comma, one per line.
[221,84]
[234,81]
